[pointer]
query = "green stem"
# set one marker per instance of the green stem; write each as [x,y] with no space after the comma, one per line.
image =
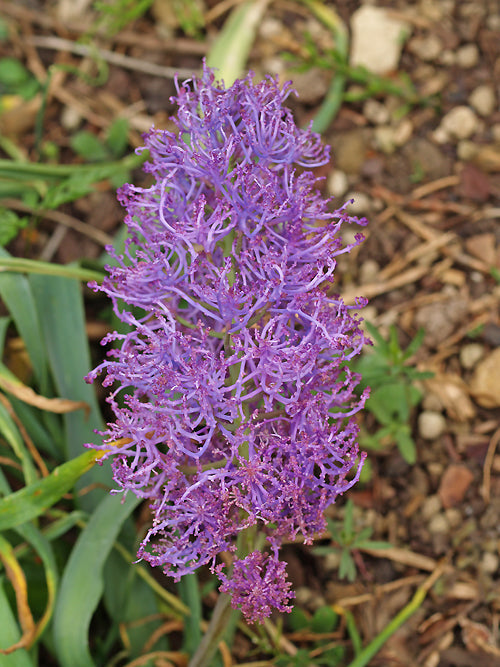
[190,595]
[219,622]
[22,170]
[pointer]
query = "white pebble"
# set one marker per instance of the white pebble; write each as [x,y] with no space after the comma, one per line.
[403,132]
[376,112]
[337,183]
[384,139]
[470,354]
[361,205]
[430,507]
[489,563]
[483,99]
[460,123]
[439,524]
[468,56]
[431,425]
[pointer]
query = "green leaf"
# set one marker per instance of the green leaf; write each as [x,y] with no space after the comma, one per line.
[17,296]
[117,137]
[10,431]
[388,403]
[82,583]
[44,551]
[298,620]
[347,568]
[190,595]
[415,344]
[230,50]
[10,224]
[348,525]
[324,620]
[60,310]
[88,146]
[129,599]
[20,265]
[12,72]
[33,500]
[406,445]
[373,544]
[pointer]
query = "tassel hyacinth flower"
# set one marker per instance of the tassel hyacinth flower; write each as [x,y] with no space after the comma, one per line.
[234,405]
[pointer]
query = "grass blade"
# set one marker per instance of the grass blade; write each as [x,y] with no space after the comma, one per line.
[33,500]
[82,583]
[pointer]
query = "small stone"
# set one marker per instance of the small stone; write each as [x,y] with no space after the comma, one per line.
[466,150]
[430,507]
[447,58]
[332,561]
[377,39]
[454,516]
[376,112]
[460,123]
[303,595]
[70,118]
[495,132]
[426,48]
[350,150]
[431,425]
[403,132]
[467,56]
[432,402]
[439,524]
[485,386]
[490,563]
[470,354]
[337,183]
[384,139]
[311,86]
[361,204]
[270,27]
[483,99]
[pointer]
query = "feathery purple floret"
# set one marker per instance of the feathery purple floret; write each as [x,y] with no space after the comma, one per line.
[234,407]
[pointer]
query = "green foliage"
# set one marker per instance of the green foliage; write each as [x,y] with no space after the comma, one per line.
[66,574]
[115,15]
[15,79]
[48,186]
[92,149]
[366,84]
[394,394]
[189,14]
[348,539]
[324,621]
[10,225]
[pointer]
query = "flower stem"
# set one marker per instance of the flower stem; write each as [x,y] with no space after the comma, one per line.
[216,628]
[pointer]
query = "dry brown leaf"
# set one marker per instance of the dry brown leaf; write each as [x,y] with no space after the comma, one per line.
[27,395]
[453,395]
[477,637]
[455,481]
[483,247]
[20,118]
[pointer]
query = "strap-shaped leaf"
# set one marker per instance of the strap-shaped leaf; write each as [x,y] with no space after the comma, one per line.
[82,583]
[33,500]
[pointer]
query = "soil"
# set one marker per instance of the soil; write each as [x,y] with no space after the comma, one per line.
[431,258]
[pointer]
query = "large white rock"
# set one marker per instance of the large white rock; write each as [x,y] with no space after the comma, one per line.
[377,39]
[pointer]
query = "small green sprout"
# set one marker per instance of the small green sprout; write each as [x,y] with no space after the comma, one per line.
[348,540]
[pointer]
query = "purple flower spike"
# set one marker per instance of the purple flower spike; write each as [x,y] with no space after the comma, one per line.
[234,407]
